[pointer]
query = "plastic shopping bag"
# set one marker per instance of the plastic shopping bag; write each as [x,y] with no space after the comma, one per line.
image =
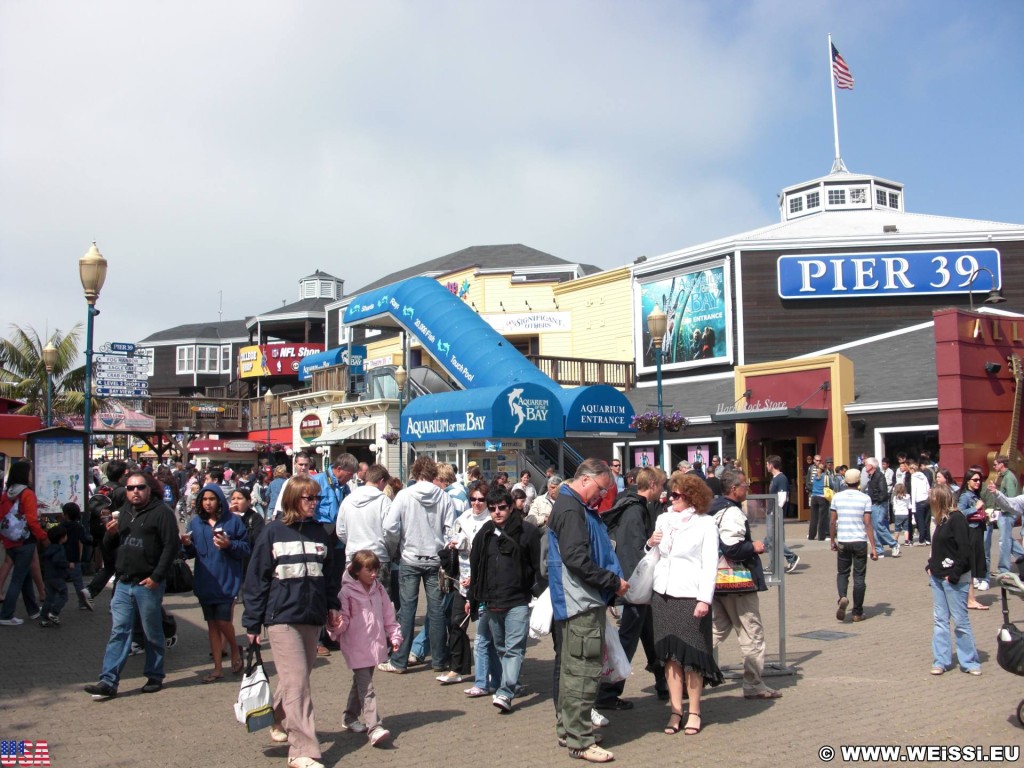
[641,582]
[616,665]
[540,616]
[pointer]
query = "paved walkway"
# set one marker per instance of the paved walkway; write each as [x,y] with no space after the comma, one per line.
[869,686]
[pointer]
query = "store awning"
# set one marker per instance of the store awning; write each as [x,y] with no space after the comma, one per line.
[349,431]
[597,409]
[522,410]
[769,414]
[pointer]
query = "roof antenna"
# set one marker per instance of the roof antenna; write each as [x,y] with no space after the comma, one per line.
[220,306]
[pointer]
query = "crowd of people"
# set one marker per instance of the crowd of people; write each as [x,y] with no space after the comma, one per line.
[337,560]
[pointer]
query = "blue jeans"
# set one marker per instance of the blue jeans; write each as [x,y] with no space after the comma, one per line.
[1009,549]
[409,588]
[880,522]
[949,601]
[20,582]
[127,601]
[485,655]
[420,647]
[509,630]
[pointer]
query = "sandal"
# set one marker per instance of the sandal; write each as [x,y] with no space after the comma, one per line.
[691,730]
[212,678]
[670,729]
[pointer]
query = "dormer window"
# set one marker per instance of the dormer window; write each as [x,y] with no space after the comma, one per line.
[837,197]
[813,199]
[858,196]
[796,204]
[894,200]
[880,197]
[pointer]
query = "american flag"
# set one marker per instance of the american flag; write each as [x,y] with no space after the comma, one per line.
[841,71]
[20,753]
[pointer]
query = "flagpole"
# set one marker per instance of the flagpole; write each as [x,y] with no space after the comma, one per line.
[837,165]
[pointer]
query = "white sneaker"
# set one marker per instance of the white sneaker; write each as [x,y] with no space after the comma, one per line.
[896,550]
[379,735]
[354,726]
[14,621]
[983,585]
[598,720]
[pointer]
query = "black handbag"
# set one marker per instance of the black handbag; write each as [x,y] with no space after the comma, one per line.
[179,579]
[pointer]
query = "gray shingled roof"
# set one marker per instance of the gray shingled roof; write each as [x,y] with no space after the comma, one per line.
[483,256]
[226,329]
[315,305]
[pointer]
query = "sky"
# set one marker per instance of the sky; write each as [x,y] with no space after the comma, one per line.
[218,152]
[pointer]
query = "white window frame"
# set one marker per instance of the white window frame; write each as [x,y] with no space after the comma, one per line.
[838,192]
[796,204]
[185,359]
[225,359]
[817,200]
[207,358]
[862,192]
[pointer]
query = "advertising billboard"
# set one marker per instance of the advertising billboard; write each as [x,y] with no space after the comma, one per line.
[698,308]
[274,359]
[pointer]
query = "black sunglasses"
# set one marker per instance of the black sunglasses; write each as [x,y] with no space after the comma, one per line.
[477,499]
[136,487]
[311,498]
[498,508]
[675,495]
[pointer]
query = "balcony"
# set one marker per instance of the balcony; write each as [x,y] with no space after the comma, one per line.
[580,372]
[213,414]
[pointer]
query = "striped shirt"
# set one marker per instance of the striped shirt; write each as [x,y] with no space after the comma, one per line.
[850,507]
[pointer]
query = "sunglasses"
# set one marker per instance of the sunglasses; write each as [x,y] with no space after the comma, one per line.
[477,499]
[136,487]
[499,508]
[675,496]
[311,498]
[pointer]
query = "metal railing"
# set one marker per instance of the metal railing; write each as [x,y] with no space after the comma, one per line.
[580,372]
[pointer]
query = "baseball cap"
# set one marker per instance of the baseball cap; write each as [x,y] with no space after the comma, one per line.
[852,477]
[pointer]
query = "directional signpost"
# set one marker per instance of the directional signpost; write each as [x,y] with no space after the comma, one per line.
[120,372]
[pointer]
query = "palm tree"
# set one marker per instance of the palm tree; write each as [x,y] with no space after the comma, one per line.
[23,375]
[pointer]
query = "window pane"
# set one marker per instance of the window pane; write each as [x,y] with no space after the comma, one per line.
[796,204]
[812,199]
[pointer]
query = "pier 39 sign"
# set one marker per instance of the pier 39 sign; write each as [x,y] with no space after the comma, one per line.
[901,273]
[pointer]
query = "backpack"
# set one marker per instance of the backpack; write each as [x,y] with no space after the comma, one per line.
[100,500]
[14,527]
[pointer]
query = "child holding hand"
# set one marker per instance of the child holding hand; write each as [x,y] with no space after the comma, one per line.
[368,629]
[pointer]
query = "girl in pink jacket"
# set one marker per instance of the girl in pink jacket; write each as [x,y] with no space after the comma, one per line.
[368,626]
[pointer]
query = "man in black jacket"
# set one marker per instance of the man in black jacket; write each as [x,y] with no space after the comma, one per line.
[145,539]
[629,527]
[108,498]
[878,490]
[504,561]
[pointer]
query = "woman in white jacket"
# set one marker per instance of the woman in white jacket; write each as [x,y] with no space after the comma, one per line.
[684,586]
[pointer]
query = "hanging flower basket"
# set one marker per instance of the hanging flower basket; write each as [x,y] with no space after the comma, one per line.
[674,422]
[645,422]
[391,437]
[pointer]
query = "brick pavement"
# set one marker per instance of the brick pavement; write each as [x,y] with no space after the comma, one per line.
[871,687]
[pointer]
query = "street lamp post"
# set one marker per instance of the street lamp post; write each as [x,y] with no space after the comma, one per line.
[49,361]
[657,323]
[401,376]
[92,269]
[268,400]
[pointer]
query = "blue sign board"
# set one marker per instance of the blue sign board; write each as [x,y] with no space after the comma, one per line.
[895,273]
[520,410]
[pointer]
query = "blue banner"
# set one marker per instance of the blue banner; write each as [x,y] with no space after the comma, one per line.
[849,275]
[521,410]
[336,356]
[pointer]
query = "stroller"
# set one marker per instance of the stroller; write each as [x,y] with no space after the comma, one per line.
[1010,640]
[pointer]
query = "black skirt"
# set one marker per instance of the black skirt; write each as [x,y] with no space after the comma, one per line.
[681,638]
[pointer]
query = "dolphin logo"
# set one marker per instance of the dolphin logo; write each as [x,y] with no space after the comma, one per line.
[443,347]
[516,407]
[408,311]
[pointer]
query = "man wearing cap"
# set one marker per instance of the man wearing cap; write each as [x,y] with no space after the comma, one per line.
[854,541]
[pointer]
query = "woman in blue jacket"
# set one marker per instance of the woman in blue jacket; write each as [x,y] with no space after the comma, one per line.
[219,542]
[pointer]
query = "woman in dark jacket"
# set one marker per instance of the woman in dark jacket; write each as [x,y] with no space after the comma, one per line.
[219,542]
[286,591]
[948,568]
